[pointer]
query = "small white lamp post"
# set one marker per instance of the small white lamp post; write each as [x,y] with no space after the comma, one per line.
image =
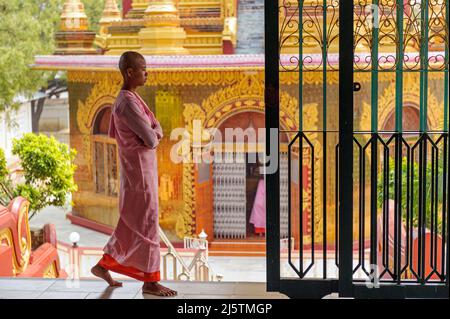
[202,236]
[74,238]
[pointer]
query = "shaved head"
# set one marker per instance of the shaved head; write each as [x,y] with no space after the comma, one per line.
[129,59]
[133,67]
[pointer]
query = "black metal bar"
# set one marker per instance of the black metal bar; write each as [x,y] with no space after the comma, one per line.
[272,105]
[345,147]
[398,207]
[434,206]
[289,206]
[313,243]
[422,207]
[297,271]
[373,200]
[324,204]
[361,207]
[447,234]
[324,142]
[363,200]
[408,207]
[445,201]
[413,268]
[360,241]
[385,228]
[300,201]
[336,208]
[308,288]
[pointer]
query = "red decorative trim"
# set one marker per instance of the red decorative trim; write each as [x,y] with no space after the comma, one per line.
[84,222]
[105,229]
[50,234]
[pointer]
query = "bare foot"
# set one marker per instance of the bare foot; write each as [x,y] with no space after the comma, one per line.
[155,288]
[104,274]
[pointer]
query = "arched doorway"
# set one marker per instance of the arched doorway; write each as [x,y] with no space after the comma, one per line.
[104,150]
[410,119]
[226,189]
[233,107]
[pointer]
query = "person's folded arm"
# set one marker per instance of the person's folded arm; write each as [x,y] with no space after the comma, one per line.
[138,122]
[112,128]
[158,129]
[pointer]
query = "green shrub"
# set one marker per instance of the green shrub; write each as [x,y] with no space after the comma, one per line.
[3,169]
[428,189]
[48,171]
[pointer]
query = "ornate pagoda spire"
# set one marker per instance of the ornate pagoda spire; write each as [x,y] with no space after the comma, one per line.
[162,34]
[111,13]
[138,8]
[73,17]
[74,36]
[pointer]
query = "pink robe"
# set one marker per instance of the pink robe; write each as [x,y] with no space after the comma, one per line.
[258,216]
[135,241]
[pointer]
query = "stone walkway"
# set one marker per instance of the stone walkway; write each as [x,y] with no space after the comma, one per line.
[234,269]
[18,288]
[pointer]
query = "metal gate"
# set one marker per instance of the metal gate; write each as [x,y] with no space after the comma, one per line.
[361,89]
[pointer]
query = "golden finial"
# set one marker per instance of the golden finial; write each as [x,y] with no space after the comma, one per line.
[137,9]
[162,33]
[74,36]
[111,13]
[73,17]
[161,13]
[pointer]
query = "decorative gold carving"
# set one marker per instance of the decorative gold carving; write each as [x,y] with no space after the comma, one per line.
[73,36]
[111,13]
[161,78]
[162,33]
[222,76]
[23,232]
[7,238]
[50,271]
[185,225]
[230,21]
[20,262]
[411,96]
[138,9]
[245,95]
[103,93]
[73,17]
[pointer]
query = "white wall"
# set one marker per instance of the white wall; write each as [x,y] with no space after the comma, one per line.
[22,117]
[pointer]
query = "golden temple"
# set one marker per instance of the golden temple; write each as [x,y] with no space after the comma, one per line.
[205,62]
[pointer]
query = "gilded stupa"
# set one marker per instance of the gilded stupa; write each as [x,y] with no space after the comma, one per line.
[74,36]
[111,14]
[162,34]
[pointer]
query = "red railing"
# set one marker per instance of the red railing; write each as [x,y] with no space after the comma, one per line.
[16,256]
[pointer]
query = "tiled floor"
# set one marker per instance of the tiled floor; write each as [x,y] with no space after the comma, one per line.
[18,288]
